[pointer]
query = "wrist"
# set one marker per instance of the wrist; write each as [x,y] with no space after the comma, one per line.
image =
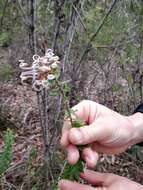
[137,122]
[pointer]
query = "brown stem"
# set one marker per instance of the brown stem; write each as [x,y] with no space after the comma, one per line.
[66,101]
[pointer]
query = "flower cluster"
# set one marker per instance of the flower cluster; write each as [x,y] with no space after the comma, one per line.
[41,72]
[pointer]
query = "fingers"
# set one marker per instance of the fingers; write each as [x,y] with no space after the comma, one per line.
[85,111]
[68,185]
[72,154]
[90,157]
[102,180]
[87,134]
[72,151]
[65,132]
[99,179]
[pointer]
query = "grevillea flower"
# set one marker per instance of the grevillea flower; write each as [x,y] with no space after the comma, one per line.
[41,72]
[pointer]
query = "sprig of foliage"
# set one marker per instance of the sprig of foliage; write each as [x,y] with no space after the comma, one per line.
[45,74]
[72,172]
[6,155]
[5,72]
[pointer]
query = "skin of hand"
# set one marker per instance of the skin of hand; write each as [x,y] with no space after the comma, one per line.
[106,131]
[100,181]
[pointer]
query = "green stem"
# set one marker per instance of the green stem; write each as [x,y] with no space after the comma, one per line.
[71,172]
[66,101]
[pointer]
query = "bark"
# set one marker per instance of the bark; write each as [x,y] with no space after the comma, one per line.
[32,26]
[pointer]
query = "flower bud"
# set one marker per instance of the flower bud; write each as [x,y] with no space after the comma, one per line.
[54,66]
[51,77]
[22,65]
[26,73]
[25,79]
[53,59]
[21,60]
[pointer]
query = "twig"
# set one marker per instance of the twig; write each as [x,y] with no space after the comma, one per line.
[66,101]
[65,163]
[58,21]
[69,36]
[9,185]
[80,18]
[87,48]
[24,17]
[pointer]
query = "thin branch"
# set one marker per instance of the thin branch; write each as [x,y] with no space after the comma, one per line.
[80,18]
[66,101]
[70,34]
[59,13]
[89,45]
[24,15]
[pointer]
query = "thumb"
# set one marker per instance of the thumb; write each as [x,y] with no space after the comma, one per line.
[87,134]
[99,179]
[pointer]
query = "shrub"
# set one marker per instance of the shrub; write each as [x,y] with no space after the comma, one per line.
[5,72]
[5,39]
[6,155]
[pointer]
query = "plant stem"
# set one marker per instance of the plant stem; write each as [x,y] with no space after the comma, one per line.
[66,101]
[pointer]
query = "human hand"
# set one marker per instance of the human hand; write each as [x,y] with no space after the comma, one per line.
[106,132]
[101,181]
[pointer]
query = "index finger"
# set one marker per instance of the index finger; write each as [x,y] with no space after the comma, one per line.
[65,132]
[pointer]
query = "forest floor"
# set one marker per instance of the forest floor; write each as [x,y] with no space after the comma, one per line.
[22,113]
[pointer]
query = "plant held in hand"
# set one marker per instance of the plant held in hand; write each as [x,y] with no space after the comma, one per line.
[43,74]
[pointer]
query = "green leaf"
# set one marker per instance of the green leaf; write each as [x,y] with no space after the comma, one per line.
[6,155]
[78,123]
[72,172]
[66,88]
